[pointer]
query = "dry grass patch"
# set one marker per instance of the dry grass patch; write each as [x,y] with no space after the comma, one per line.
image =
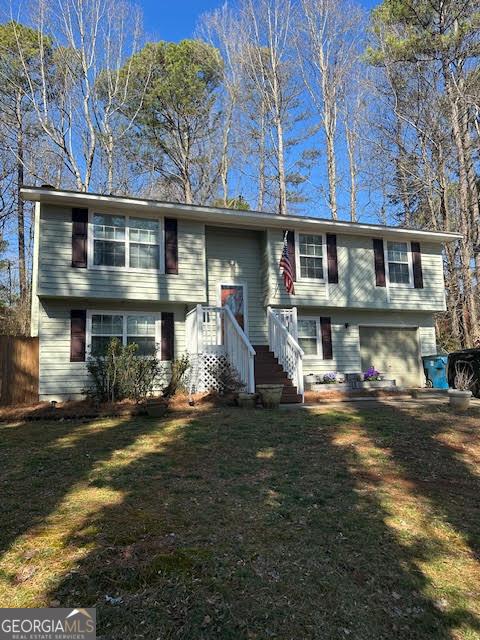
[222,523]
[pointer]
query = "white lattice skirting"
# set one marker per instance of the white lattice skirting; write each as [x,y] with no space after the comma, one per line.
[200,374]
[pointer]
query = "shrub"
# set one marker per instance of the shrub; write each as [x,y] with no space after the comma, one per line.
[464,376]
[120,373]
[226,378]
[180,367]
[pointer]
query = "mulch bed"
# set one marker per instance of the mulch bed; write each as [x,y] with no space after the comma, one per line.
[78,409]
[69,410]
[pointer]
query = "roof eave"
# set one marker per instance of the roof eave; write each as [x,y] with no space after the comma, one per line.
[212,215]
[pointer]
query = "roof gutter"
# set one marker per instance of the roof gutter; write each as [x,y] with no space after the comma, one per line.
[217,216]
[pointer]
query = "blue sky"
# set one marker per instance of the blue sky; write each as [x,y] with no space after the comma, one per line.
[175,20]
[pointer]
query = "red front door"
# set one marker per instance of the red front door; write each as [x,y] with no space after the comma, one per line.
[232,295]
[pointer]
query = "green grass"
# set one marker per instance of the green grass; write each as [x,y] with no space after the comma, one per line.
[230,524]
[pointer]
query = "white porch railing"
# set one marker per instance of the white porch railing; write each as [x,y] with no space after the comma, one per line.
[288,317]
[284,345]
[215,330]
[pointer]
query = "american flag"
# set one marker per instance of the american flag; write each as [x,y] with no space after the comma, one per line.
[286,267]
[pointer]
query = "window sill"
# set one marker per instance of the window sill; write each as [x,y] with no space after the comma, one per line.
[316,280]
[400,285]
[98,267]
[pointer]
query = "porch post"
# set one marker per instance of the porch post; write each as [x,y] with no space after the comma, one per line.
[295,323]
[199,328]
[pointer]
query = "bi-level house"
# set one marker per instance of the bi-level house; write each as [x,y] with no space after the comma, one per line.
[180,278]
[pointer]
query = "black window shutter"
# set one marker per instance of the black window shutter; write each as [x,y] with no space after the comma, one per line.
[168,336]
[417,266]
[326,329]
[78,326]
[332,258]
[171,246]
[79,237]
[379,258]
[291,252]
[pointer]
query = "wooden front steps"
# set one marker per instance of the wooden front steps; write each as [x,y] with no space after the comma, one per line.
[269,371]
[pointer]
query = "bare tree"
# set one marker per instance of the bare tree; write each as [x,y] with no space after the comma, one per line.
[117,107]
[78,91]
[222,29]
[269,65]
[328,46]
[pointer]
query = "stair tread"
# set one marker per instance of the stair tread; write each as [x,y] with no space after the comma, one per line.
[269,371]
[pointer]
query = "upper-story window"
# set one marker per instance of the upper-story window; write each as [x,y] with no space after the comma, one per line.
[123,241]
[109,240]
[310,251]
[399,271]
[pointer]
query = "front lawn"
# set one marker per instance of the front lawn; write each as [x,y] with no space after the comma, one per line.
[230,524]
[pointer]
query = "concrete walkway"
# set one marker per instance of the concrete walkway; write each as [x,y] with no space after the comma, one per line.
[378,403]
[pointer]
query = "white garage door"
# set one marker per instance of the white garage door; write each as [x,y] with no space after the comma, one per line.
[393,352]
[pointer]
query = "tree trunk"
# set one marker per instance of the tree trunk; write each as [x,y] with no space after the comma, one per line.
[282,190]
[225,147]
[109,149]
[22,273]
[261,163]
[330,126]
[470,309]
[352,165]
[187,187]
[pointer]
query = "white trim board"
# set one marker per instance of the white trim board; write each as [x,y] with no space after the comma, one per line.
[213,215]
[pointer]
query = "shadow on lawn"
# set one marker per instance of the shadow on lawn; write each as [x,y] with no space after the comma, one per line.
[432,460]
[244,525]
[40,462]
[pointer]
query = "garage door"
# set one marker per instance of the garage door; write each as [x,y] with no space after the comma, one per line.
[394,352]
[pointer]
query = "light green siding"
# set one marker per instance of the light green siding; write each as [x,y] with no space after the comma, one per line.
[58,278]
[234,256]
[346,340]
[60,378]
[356,280]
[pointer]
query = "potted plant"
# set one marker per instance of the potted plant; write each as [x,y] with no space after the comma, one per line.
[371,374]
[156,406]
[270,394]
[459,397]
[330,377]
[247,400]
[310,378]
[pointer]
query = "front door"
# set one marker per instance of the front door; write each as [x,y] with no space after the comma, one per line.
[233,296]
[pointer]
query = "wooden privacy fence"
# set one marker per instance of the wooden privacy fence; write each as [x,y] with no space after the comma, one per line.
[18,370]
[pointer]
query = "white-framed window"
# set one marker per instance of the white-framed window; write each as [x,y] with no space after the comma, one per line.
[309,333]
[141,328]
[310,251]
[144,243]
[104,327]
[125,242]
[109,235]
[399,263]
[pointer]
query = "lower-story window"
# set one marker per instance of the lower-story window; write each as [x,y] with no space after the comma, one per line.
[308,336]
[142,329]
